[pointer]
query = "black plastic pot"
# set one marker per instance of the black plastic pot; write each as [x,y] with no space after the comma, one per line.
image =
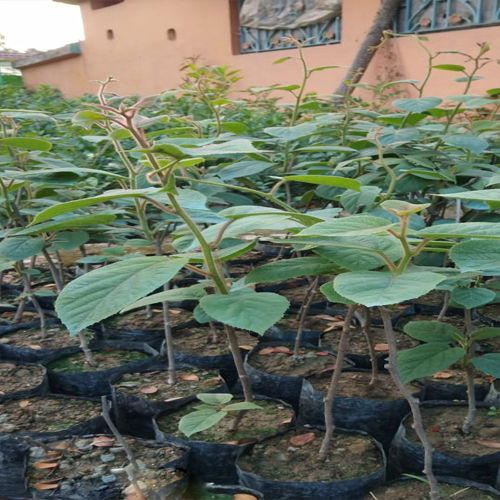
[379,419]
[13,456]
[349,489]
[408,457]
[443,391]
[5,329]
[275,334]
[96,383]
[25,354]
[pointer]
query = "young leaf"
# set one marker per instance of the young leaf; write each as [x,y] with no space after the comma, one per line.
[488,332]
[243,405]
[326,180]
[488,363]
[105,291]
[417,105]
[378,288]
[29,143]
[246,309]
[329,292]
[214,398]
[200,420]
[431,331]
[471,297]
[427,359]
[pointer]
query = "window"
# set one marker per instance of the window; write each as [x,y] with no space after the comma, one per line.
[254,38]
[438,15]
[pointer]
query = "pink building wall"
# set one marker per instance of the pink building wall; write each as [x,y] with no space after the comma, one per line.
[144,61]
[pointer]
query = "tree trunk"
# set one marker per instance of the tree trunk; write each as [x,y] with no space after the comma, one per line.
[383,21]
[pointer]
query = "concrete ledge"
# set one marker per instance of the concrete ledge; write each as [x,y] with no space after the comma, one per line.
[70,50]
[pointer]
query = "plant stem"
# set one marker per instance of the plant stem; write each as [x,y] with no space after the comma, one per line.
[53,271]
[364,320]
[413,402]
[304,309]
[238,361]
[332,389]
[469,376]
[84,346]
[444,308]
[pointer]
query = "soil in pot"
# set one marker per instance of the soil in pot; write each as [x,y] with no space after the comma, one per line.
[419,490]
[491,312]
[199,341]
[356,384]
[101,461]
[105,358]
[358,344]
[154,385]
[138,320]
[293,456]
[254,425]
[55,338]
[314,322]
[443,426]
[45,414]
[279,360]
[19,377]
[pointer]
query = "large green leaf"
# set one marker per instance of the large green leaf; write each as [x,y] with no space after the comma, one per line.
[199,420]
[417,105]
[427,359]
[194,292]
[69,206]
[244,168]
[471,297]
[461,230]
[232,147]
[293,133]
[432,331]
[482,256]
[107,290]
[29,143]
[469,142]
[488,363]
[21,247]
[326,180]
[329,292]
[68,240]
[67,223]
[246,309]
[489,196]
[289,268]
[348,226]
[488,332]
[379,288]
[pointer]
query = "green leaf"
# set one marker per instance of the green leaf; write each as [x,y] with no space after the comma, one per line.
[200,315]
[69,206]
[471,297]
[87,118]
[482,256]
[68,240]
[67,223]
[329,292]
[427,359]
[461,230]
[244,168]
[194,292]
[293,133]
[488,332]
[223,254]
[489,196]
[281,60]
[211,398]
[242,406]
[200,420]
[107,290]
[432,331]
[245,309]
[399,208]
[237,128]
[326,148]
[6,264]
[232,147]
[289,268]
[417,105]
[321,68]
[326,180]
[449,67]
[379,288]
[21,247]
[488,363]
[29,143]
[469,142]
[353,200]
[348,226]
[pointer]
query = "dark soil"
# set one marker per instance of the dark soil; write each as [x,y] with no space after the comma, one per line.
[309,362]
[356,385]
[443,426]
[55,338]
[138,320]
[20,377]
[491,311]
[105,358]
[154,385]
[419,490]
[254,424]
[349,456]
[75,460]
[199,341]
[45,414]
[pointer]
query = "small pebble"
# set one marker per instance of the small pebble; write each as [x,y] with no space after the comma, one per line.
[22,373]
[83,444]
[3,418]
[117,449]
[100,469]
[108,479]
[108,457]
[37,452]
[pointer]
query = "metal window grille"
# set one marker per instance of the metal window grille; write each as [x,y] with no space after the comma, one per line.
[261,40]
[441,15]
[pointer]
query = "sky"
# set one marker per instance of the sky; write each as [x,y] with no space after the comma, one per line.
[39,24]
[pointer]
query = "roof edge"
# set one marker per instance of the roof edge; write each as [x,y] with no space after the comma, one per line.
[70,50]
